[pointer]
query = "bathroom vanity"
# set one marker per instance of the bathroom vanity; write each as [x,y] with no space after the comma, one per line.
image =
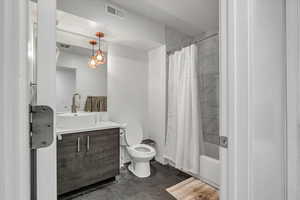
[88,145]
[87,156]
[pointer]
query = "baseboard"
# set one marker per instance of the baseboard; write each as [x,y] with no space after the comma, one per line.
[161,160]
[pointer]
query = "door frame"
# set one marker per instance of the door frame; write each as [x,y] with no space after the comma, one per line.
[223,95]
[236,105]
[46,94]
[293,92]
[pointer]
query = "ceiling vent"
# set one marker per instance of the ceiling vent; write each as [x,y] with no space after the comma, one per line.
[65,46]
[114,11]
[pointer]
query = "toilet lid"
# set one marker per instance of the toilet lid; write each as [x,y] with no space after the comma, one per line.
[134,134]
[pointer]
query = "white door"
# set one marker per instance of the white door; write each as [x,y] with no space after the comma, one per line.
[15,76]
[42,68]
[14,100]
[254,99]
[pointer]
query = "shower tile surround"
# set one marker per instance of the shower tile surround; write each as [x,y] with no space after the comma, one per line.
[208,63]
[208,52]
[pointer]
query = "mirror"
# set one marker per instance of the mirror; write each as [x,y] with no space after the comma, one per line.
[65,87]
[74,75]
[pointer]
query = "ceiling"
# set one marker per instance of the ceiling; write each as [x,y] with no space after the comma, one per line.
[143,26]
[191,17]
[77,31]
[78,22]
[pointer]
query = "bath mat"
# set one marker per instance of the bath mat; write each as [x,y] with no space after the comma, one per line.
[193,189]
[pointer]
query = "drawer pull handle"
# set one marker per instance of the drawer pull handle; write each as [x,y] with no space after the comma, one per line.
[78,144]
[88,143]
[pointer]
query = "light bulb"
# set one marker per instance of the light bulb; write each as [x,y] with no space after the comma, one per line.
[100,58]
[92,63]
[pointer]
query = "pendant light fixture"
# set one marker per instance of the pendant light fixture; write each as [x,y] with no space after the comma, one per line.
[100,57]
[93,61]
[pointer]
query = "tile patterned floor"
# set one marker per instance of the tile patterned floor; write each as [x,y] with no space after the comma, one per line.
[129,187]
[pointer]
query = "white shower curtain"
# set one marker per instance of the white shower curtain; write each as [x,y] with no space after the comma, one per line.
[184,143]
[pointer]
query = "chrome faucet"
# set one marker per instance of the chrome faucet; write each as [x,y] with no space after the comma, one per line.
[75,107]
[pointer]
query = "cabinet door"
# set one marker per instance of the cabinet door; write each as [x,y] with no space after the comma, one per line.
[70,152]
[101,160]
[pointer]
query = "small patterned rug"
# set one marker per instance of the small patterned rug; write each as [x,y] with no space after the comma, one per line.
[193,189]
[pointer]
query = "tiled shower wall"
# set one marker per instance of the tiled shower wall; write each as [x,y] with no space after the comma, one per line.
[208,51]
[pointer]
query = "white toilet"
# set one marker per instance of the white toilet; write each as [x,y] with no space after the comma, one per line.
[140,154]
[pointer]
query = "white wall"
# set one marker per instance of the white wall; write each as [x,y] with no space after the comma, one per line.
[127,87]
[65,88]
[157,99]
[175,40]
[89,82]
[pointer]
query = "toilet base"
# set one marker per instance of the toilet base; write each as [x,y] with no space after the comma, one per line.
[140,169]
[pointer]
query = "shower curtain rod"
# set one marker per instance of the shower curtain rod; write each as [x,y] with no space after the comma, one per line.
[192,42]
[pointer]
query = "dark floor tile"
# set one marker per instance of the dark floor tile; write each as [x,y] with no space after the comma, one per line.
[130,187]
[104,194]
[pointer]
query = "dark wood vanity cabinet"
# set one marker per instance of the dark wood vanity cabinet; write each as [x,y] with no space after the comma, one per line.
[87,158]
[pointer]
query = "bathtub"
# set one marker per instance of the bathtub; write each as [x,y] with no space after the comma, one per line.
[210,171]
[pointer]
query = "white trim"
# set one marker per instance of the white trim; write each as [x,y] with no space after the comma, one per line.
[14,132]
[293,53]
[243,105]
[46,94]
[223,85]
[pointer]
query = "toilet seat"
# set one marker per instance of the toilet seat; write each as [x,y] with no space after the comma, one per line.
[141,150]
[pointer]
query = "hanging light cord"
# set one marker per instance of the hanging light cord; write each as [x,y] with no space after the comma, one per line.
[99,44]
[93,50]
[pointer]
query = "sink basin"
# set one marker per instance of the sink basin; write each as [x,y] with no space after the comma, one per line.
[75,120]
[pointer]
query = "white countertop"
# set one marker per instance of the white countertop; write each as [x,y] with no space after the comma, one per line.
[99,126]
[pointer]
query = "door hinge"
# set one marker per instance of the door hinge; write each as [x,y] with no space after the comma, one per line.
[223,141]
[41,123]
